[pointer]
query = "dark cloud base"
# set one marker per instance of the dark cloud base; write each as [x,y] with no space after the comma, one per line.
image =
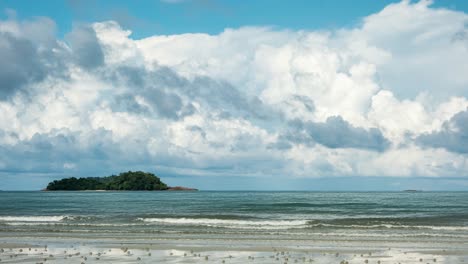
[453,136]
[335,132]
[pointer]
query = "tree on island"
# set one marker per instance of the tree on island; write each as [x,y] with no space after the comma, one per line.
[127,181]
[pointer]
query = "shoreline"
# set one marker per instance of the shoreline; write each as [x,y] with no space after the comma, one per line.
[170,189]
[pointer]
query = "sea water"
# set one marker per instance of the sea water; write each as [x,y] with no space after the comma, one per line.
[386,216]
[233,227]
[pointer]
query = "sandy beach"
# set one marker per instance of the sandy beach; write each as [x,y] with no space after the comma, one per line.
[79,250]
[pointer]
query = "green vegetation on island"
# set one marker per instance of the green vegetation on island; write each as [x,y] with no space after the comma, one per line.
[127,181]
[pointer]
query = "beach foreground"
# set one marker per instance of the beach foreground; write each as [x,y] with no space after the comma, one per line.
[70,251]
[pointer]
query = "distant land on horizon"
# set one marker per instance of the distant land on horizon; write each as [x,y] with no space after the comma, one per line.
[126,181]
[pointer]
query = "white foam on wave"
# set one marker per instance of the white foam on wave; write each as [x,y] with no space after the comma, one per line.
[286,224]
[33,218]
[395,226]
[247,224]
[450,228]
[67,224]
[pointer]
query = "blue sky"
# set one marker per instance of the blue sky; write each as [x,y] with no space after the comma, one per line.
[258,95]
[149,17]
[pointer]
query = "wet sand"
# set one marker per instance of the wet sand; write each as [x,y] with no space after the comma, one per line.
[65,251]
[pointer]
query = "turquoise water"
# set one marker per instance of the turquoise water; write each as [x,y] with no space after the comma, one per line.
[270,215]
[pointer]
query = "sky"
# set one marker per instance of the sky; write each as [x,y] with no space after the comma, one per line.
[236,95]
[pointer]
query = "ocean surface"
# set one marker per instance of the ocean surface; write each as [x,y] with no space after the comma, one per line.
[270,216]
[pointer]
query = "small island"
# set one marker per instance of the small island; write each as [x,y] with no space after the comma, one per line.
[126,181]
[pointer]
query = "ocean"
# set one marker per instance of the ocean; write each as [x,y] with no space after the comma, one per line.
[240,220]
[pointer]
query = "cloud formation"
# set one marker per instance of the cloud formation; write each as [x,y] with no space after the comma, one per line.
[21,64]
[453,135]
[85,47]
[337,133]
[379,99]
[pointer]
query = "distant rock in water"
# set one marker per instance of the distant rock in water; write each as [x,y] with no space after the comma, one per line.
[412,191]
[127,181]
